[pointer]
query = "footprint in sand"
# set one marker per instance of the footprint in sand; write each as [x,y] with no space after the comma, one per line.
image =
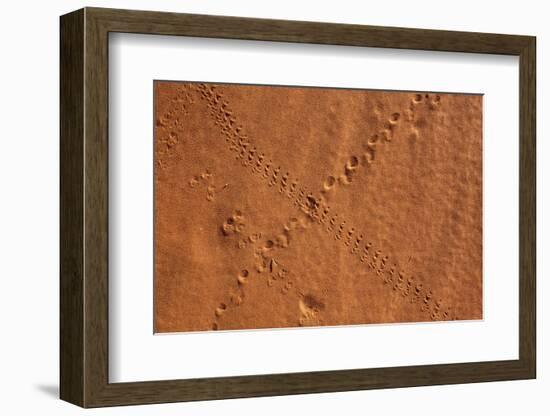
[205,179]
[420,103]
[417,293]
[236,298]
[287,286]
[234,224]
[220,310]
[357,243]
[329,183]
[349,238]
[426,301]
[310,308]
[365,254]
[242,277]
[345,179]
[369,154]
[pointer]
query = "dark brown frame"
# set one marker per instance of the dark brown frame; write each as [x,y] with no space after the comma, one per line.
[84,207]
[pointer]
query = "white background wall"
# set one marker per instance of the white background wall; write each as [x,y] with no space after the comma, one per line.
[29,206]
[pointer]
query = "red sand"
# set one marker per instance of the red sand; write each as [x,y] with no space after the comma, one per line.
[286,206]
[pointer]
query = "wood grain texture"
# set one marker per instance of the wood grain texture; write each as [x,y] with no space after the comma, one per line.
[84,207]
[71,197]
[228,27]
[527,208]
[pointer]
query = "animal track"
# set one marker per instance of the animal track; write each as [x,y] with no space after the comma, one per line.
[329,183]
[242,277]
[263,251]
[236,298]
[316,209]
[220,309]
[354,162]
[205,179]
[168,124]
[234,224]
[422,102]
[310,308]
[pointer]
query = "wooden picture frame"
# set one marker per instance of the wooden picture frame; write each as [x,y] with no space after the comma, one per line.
[84,207]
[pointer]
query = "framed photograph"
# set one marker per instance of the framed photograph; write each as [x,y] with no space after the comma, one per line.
[254,207]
